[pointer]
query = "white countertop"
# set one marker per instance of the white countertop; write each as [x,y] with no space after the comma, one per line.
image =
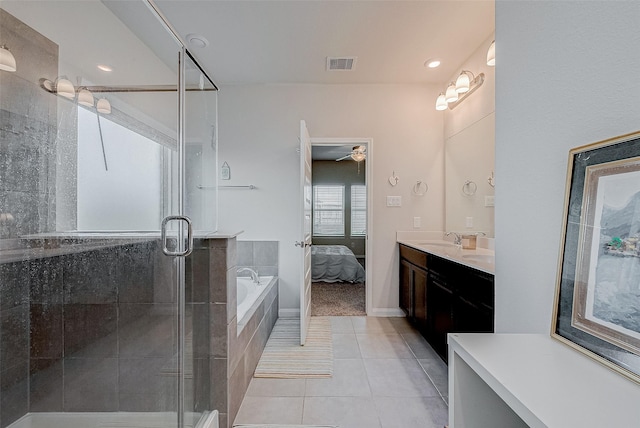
[481,259]
[545,382]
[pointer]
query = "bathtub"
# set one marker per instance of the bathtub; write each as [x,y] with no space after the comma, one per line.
[249,293]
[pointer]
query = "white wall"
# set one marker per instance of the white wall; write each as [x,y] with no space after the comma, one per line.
[258,136]
[567,75]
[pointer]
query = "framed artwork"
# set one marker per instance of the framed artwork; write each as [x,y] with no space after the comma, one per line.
[597,302]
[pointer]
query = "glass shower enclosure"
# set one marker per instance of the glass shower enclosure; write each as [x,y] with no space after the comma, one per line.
[108,154]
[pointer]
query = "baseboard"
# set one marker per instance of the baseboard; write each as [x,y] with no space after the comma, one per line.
[386,312]
[288,313]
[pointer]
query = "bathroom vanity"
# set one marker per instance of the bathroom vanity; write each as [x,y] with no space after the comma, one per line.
[445,289]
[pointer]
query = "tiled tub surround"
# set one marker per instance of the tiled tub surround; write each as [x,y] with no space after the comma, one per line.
[234,355]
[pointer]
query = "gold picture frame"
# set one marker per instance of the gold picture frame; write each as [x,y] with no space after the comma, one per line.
[597,300]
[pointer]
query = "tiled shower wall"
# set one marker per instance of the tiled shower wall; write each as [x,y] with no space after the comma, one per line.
[32,139]
[88,331]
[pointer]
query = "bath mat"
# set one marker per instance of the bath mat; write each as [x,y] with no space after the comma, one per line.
[285,426]
[283,357]
[337,299]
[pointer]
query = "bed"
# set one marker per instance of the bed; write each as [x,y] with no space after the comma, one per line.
[335,263]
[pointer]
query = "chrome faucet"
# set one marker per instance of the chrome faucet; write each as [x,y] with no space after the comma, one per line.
[457,239]
[254,274]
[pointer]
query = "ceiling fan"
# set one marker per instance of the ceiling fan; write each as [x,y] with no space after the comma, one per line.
[358,154]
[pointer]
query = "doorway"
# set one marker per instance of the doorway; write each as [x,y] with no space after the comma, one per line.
[341,188]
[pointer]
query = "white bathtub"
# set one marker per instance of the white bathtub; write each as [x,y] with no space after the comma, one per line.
[248,293]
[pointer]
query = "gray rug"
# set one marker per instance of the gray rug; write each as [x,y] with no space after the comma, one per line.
[337,299]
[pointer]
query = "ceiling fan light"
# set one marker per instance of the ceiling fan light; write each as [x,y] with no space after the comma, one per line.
[7,60]
[463,83]
[491,54]
[103,106]
[451,95]
[85,98]
[65,88]
[441,102]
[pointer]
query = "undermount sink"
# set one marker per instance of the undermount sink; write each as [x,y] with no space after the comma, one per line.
[436,243]
[481,258]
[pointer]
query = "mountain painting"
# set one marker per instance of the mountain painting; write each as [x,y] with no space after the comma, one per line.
[613,259]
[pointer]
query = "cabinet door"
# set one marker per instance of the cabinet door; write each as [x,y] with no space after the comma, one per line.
[439,310]
[406,292]
[420,299]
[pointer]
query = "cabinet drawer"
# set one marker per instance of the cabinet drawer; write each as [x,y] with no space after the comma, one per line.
[416,257]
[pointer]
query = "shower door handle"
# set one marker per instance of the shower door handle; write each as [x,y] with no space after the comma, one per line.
[189,247]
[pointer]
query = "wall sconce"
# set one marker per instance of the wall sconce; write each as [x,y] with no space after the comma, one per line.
[7,60]
[458,91]
[491,55]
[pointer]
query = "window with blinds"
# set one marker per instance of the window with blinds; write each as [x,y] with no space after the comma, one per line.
[358,210]
[328,210]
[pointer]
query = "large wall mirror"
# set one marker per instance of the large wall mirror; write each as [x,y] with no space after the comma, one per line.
[469,179]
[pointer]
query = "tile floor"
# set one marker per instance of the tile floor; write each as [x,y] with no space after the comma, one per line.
[385,375]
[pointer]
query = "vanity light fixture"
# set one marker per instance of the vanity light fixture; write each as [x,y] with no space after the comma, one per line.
[85,97]
[491,54]
[103,106]
[458,91]
[7,60]
[65,88]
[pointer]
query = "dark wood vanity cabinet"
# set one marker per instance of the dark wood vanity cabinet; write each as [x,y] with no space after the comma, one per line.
[440,296]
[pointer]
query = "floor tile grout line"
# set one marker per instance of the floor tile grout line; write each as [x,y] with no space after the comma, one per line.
[425,372]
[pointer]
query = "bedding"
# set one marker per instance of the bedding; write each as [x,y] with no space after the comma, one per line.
[335,263]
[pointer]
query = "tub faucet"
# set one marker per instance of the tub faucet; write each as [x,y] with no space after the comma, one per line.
[457,239]
[254,274]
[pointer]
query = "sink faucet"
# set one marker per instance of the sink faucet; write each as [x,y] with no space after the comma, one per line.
[254,274]
[457,239]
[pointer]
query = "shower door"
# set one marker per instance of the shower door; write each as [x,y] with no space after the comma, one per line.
[93,147]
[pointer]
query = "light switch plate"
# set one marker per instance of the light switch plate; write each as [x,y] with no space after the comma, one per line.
[394,201]
[416,222]
[469,222]
[489,201]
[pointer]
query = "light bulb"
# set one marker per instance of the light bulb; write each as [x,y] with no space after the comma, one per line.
[65,88]
[85,97]
[462,83]
[491,54]
[441,102]
[103,106]
[451,95]
[7,60]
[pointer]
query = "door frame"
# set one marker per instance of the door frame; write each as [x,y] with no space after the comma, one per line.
[368,261]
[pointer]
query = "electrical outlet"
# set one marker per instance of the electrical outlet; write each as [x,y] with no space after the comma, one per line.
[416,222]
[489,201]
[469,222]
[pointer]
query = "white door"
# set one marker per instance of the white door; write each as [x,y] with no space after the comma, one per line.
[305,235]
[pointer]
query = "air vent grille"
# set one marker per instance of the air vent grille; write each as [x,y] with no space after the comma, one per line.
[345,63]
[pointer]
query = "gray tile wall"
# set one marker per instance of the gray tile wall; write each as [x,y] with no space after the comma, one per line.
[261,256]
[83,332]
[28,131]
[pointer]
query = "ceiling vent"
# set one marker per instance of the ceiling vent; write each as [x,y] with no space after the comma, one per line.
[344,63]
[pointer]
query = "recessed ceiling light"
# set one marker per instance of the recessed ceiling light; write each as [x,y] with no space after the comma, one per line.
[432,63]
[197,40]
[104,67]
